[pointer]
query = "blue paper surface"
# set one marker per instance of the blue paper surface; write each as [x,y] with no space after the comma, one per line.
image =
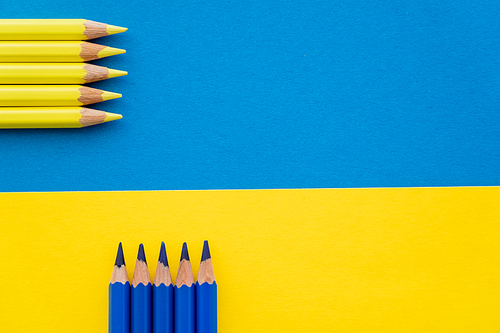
[277,94]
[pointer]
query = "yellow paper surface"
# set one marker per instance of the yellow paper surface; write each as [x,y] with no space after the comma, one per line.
[344,260]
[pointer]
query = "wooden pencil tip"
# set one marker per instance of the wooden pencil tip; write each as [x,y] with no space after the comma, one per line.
[120,259]
[109,51]
[206,252]
[107,95]
[113,29]
[115,73]
[184,254]
[141,255]
[163,255]
[112,116]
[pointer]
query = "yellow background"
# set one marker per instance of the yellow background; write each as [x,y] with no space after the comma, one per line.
[343,260]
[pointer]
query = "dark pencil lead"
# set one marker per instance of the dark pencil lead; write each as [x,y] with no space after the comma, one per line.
[141,256]
[120,259]
[206,252]
[163,255]
[184,254]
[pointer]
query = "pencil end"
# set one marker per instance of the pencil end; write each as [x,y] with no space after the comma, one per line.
[112,116]
[107,95]
[115,73]
[163,255]
[206,252]
[113,29]
[109,51]
[184,254]
[141,255]
[91,117]
[120,259]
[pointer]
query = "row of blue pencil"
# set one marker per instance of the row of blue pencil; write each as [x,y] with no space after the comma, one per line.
[163,307]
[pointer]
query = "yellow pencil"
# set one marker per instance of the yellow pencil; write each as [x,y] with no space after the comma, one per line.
[61,73]
[45,29]
[53,117]
[48,51]
[52,95]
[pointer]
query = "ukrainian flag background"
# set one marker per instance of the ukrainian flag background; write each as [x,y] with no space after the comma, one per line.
[364,135]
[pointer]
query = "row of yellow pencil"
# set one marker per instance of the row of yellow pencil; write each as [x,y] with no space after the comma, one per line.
[42,72]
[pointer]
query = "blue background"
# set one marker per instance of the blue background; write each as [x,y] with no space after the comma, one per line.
[278,94]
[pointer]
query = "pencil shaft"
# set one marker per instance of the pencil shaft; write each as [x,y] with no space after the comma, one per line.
[119,296]
[51,95]
[184,309]
[163,309]
[54,29]
[206,308]
[52,117]
[53,51]
[140,321]
[119,307]
[163,295]
[54,73]
[206,294]
[141,308]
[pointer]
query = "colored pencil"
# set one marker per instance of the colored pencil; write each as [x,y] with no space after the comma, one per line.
[54,73]
[141,296]
[184,296]
[119,296]
[163,296]
[59,29]
[52,95]
[50,51]
[206,295]
[53,117]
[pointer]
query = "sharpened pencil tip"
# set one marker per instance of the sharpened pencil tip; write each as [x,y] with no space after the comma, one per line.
[107,95]
[206,251]
[113,29]
[112,116]
[141,255]
[120,259]
[163,255]
[115,73]
[184,254]
[109,51]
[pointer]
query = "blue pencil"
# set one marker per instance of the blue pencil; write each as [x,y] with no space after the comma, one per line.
[119,297]
[184,317]
[163,296]
[206,295]
[141,296]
